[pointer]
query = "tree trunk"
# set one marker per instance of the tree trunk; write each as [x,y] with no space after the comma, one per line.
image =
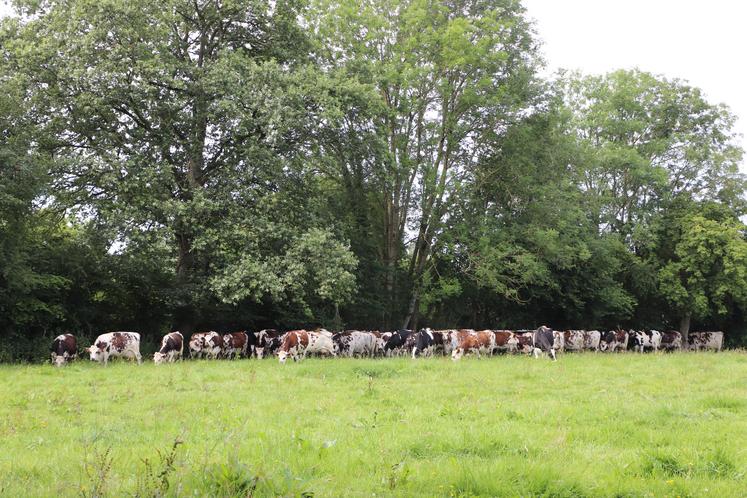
[185,318]
[685,328]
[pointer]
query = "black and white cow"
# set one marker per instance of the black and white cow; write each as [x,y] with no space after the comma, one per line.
[64,349]
[712,341]
[354,343]
[641,341]
[545,341]
[172,347]
[397,342]
[116,345]
[268,342]
[429,342]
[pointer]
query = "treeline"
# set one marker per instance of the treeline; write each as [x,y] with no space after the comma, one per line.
[380,164]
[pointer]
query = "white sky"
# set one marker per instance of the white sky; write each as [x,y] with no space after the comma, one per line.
[701,42]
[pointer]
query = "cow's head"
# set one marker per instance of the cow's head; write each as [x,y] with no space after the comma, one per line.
[159,358]
[282,356]
[59,360]
[98,351]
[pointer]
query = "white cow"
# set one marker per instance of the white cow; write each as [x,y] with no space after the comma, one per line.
[644,340]
[116,344]
[705,340]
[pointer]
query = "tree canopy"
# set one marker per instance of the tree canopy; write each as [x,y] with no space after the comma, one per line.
[376,164]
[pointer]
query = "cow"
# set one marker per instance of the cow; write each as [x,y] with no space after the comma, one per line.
[428,342]
[506,341]
[482,342]
[207,344]
[524,342]
[671,340]
[713,341]
[301,343]
[64,349]
[640,340]
[613,340]
[354,342]
[591,340]
[172,347]
[381,339]
[396,342]
[115,344]
[545,340]
[268,342]
[558,340]
[573,340]
[235,344]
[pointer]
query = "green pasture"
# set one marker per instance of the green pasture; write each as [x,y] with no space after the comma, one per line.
[589,425]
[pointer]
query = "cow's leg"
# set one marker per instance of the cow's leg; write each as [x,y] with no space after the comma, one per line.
[139,358]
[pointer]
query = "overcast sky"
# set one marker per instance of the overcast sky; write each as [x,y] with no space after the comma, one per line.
[702,42]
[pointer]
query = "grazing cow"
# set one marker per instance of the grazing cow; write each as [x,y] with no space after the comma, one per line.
[354,342]
[671,340]
[591,340]
[640,340]
[428,342]
[396,342]
[300,342]
[172,346]
[524,342]
[268,342]
[713,341]
[573,340]
[381,339]
[116,344]
[235,344]
[613,340]
[506,341]
[558,340]
[476,342]
[208,344]
[544,340]
[64,348]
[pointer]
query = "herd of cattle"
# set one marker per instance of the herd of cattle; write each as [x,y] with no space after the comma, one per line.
[426,342]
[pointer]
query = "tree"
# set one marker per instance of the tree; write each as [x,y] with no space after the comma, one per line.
[450,75]
[166,119]
[706,274]
[645,139]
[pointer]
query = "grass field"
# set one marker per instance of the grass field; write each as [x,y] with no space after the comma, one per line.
[588,425]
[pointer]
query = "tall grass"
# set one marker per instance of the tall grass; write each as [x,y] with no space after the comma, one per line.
[588,425]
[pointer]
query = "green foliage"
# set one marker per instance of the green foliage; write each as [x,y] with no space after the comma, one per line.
[247,164]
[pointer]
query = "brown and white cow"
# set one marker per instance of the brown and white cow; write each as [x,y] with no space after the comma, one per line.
[712,341]
[235,344]
[524,341]
[482,342]
[172,347]
[614,340]
[64,349]
[671,340]
[573,340]
[506,341]
[301,343]
[207,344]
[591,340]
[115,345]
